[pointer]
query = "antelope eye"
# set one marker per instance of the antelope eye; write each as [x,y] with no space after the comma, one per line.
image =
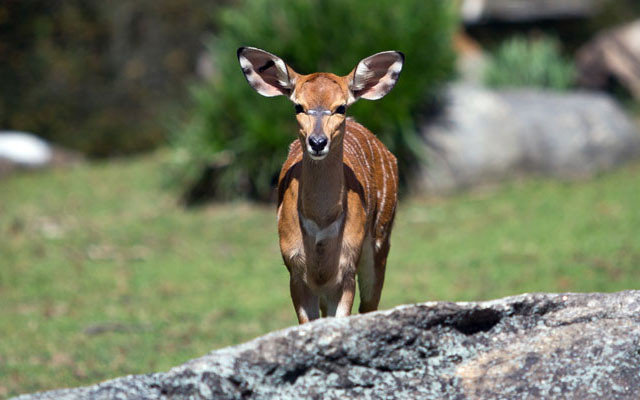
[340,110]
[299,109]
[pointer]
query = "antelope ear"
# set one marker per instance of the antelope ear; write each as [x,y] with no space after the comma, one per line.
[265,72]
[375,76]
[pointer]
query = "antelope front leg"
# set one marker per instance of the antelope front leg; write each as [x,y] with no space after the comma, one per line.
[340,301]
[304,301]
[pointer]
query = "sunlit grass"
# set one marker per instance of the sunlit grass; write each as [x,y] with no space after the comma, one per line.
[102,273]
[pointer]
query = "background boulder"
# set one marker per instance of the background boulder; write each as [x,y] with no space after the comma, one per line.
[22,150]
[584,346]
[474,11]
[613,57]
[485,136]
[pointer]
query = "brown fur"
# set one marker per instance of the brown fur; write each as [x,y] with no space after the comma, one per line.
[335,208]
[351,182]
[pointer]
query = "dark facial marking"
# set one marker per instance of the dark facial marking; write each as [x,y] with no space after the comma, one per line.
[266,66]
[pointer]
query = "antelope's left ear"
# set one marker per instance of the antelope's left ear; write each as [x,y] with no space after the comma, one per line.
[266,72]
[375,76]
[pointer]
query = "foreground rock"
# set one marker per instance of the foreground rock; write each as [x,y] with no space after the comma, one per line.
[486,136]
[582,346]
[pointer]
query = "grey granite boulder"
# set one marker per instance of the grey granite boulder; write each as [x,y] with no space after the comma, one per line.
[485,136]
[577,346]
[613,56]
[480,11]
[22,150]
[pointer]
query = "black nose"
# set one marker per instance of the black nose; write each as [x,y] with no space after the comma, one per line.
[317,142]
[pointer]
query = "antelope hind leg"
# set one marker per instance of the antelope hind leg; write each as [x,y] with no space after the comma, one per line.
[371,271]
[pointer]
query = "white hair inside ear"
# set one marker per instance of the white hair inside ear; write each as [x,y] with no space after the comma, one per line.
[375,76]
[363,73]
[266,73]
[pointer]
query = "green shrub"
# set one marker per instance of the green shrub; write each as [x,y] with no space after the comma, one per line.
[250,134]
[534,63]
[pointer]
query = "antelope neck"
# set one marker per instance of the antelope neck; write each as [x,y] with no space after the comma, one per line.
[322,187]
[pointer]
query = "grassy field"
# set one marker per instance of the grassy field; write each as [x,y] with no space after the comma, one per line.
[103,274]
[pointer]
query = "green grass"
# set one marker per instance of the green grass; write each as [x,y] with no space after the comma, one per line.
[103,274]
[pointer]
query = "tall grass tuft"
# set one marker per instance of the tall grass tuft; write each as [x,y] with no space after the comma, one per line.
[520,62]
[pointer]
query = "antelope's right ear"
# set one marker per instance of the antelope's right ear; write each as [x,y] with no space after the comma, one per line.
[265,72]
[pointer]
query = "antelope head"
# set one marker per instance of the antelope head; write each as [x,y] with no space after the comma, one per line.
[321,99]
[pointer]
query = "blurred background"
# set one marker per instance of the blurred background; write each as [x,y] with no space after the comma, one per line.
[137,167]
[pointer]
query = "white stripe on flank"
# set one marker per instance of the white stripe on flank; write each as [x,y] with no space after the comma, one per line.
[367,140]
[359,158]
[384,182]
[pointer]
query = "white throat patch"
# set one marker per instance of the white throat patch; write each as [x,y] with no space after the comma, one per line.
[319,234]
